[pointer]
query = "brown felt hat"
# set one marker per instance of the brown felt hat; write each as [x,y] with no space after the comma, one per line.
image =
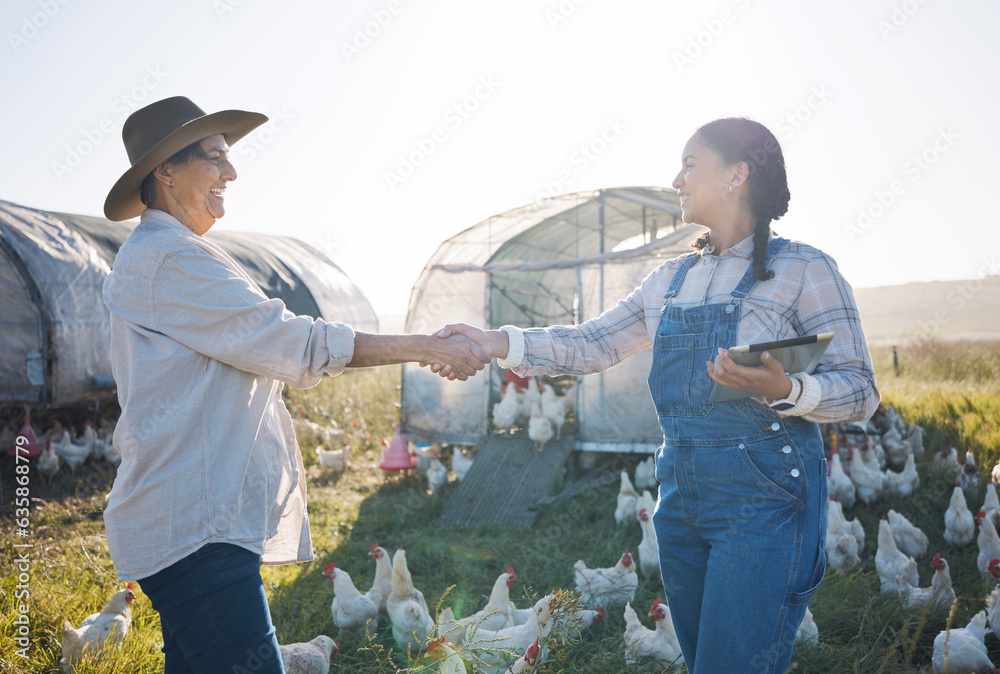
[157,132]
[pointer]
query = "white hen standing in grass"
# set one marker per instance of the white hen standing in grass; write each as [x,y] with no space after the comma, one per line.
[553,409]
[612,586]
[98,630]
[959,525]
[841,546]
[507,409]
[659,645]
[382,584]
[352,611]
[890,562]
[909,538]
[411,621]
[940,589]
[962,650]
[649,553]
[840,486]
[311,657]
[628,500]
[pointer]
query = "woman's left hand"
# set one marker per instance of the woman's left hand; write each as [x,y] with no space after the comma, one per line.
[769,380]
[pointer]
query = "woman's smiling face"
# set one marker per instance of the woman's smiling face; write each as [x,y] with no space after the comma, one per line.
[701,182]
[200,184]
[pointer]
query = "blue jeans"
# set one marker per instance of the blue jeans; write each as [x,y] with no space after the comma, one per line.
[741,549]
[214,613]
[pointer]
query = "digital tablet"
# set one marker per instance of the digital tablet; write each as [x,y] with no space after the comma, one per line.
[799,354]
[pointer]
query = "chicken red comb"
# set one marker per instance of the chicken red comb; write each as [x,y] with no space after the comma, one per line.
[510,570]
[329,570]
[599,618]
[938,562]
[532,652]
[129,586]
[373,548]
[994,568]
[627,558]
[642,515]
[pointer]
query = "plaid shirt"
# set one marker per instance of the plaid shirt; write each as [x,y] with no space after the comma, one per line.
[808,295]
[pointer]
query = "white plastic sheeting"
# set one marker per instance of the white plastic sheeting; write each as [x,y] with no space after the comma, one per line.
[563,261]
[54,327]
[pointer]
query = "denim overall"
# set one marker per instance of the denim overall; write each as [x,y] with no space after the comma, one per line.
[741,517]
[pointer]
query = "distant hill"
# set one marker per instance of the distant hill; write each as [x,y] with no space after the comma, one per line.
[939,309]
[898,314]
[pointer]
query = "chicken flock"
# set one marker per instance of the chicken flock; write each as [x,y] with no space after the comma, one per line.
[870,463]
[534,405]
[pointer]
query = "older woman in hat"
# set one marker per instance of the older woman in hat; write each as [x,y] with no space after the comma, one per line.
[211,482]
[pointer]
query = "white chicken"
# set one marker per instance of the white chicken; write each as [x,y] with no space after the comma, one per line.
[437,475]
[852,527]
[352,611]
[539,428]
[947,461]
[460,463]
[447,658]
[489,646]
[896,450]
[915,436]
[988,541]
[890,562]
[969,477]
[606,587]
[554,409]
[645,474]
[407,608]
[333,459]
[311,657]
[839,484]
[48,462]
[940,589]
[867,484]
[382,584]
[659,645]
[628,500]
[904,483]
[649,553]
[962,650]
[993,610]
[909,539]
[507,410]
[72,454]
[496,615]
[959,525]
[527,662]
[841,546]
[98,630]
[808,632]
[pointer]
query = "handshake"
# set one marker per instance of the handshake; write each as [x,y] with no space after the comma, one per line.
[459,350]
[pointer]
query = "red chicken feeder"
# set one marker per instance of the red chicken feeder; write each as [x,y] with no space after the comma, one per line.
[29,447]
[397,456]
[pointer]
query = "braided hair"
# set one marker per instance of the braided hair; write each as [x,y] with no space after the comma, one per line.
[738,139]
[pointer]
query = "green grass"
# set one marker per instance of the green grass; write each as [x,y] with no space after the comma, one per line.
[953,390]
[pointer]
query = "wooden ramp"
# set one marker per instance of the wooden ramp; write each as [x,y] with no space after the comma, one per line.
[506,480]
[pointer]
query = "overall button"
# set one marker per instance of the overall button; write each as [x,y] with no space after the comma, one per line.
[775,426]
[795,472]
[786,449]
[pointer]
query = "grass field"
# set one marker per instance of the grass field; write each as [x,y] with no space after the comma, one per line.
[952,389]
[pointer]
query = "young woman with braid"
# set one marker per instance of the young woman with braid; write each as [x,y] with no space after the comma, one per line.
[741,516]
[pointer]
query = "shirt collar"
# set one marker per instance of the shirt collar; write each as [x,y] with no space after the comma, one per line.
[742,249]
[154,215]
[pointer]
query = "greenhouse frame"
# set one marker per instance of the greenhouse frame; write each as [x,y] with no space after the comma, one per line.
[558,261]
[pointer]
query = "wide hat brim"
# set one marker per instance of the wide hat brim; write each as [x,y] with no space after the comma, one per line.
[123,200]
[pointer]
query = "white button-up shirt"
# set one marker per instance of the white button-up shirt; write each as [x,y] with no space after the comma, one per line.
[199,355]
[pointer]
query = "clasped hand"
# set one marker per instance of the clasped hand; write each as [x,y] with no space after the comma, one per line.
[456,356]
[461,334]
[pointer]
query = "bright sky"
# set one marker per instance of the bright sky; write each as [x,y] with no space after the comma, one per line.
[886,111]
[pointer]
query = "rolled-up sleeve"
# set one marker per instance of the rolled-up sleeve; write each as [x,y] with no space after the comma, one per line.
[201,303]
[845,373]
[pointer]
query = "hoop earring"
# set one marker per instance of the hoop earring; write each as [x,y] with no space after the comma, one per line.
[730,188]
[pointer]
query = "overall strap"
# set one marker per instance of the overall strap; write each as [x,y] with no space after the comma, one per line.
[746,284]
[675,283]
